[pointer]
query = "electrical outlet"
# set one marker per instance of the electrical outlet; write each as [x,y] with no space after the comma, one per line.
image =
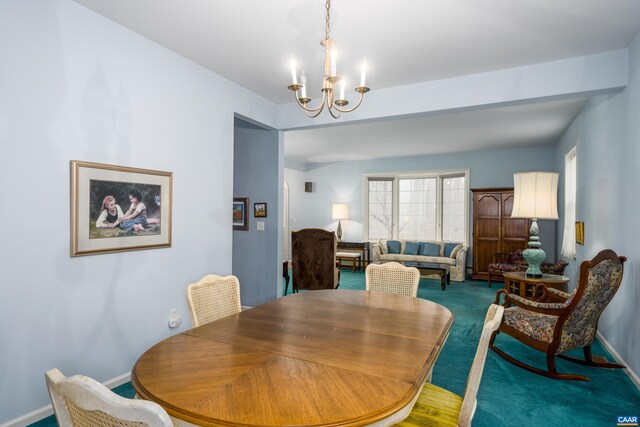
[174,318]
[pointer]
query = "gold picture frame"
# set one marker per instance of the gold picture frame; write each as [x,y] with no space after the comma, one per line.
[119,208]
[580,232]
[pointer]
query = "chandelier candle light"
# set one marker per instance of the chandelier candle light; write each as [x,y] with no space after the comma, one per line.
[329,79]
[536,197]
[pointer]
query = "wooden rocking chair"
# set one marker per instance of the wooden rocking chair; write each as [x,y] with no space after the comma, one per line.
[559,322]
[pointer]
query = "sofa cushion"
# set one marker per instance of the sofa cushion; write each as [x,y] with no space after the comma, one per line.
[429,249]
[451,249]
[417,258]
[411,248]
[393,246]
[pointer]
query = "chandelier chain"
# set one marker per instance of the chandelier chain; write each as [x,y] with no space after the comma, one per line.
[327,27]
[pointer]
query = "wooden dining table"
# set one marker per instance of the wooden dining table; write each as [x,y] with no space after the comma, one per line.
[316,358]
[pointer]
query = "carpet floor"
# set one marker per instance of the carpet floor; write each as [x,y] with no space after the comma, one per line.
[508,396]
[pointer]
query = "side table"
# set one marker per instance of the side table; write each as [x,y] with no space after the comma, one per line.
[362,247]
[517,282]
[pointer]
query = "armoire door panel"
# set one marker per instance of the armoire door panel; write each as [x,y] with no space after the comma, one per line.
[507,205]
[487,227]
[512,245]
[487,205]
[515,228]
[485,255]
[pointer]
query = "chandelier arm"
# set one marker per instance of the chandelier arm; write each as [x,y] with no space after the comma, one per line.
[311,110]
[319,109]
[313,115]
[348,110]
[330,109]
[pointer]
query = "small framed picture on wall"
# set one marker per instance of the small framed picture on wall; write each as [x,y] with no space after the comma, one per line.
[580,232]
[241,213]
[259,210]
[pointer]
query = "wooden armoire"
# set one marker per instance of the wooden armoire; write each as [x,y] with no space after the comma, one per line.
[493,228]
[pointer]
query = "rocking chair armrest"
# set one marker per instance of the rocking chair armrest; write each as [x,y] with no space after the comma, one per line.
[497,300]
[550,295]
[559,294]
[552,308]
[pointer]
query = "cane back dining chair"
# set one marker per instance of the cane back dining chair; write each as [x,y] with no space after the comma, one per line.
[313,255]
[212,298]
[436,406]
[559,322]
[80,401]
[392,277]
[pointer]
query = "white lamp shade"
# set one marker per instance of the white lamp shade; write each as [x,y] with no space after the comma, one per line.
[340,211]
[535,195]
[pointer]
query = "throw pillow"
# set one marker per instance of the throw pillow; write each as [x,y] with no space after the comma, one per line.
[454,252]
[383,246]
[449,247]
[393,246]
[411,248]
[429,249]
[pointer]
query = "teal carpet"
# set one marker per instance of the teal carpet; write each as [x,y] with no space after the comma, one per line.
[508,396]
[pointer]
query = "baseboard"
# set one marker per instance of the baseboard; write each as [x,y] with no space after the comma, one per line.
[632,375]
[45,411]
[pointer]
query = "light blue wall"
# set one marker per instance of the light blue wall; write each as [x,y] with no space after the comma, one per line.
[342,183]
[255,175]
[75,85]
[607,133]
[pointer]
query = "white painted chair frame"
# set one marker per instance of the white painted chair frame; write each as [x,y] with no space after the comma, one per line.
[469,403]
[80,401]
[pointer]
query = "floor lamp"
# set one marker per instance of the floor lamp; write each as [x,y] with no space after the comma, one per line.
[340,211]
[535,197]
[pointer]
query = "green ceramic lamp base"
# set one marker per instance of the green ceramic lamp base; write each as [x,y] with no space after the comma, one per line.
[534,255]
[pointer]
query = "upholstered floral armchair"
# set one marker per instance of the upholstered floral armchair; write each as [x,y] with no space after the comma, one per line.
[505,262]
[559,322]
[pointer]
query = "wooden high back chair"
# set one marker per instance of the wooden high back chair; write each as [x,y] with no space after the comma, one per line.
[313,254]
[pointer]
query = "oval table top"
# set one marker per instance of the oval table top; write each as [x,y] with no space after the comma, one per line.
[327,357]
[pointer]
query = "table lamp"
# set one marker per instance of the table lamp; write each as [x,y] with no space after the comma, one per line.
[340,211]
[535,197]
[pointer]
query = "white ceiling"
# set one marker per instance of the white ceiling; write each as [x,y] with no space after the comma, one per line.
[508,127]
[404,41]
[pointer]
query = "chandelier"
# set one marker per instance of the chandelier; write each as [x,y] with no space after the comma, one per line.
[329,80]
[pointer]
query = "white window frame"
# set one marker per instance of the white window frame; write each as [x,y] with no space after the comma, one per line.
[396,177]
[568,250]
